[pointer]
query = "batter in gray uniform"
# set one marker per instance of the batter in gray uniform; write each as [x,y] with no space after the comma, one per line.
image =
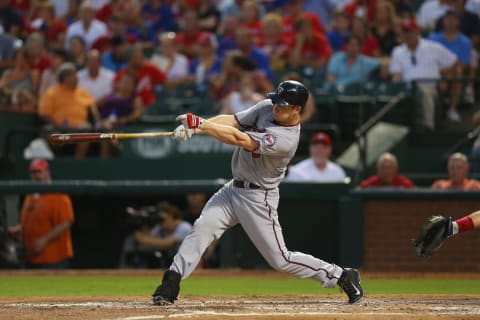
[265,148]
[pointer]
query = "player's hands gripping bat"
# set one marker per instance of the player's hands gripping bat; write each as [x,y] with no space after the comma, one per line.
[432,235]
[191,121]
[181,133]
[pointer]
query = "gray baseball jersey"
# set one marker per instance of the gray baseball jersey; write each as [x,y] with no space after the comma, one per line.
[255,208]
[265,166]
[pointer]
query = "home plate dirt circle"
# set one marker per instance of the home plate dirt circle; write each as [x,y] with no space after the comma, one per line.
[243,307]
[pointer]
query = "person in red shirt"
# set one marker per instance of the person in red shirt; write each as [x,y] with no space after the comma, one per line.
[46,22]
[146,74]
[387,174]
[362,8]
[311,48]
[250,18]
[293,11]
[191,35]
[458,175]
[37,56]
[370,46]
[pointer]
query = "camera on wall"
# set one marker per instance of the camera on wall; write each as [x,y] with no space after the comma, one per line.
[145,217]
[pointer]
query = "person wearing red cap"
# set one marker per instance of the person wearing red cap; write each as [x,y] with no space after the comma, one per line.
[45,224]
[318,166]
[424,62]
[387,174]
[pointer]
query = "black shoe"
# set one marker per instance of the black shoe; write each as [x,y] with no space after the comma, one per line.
[349,282]
[167,292]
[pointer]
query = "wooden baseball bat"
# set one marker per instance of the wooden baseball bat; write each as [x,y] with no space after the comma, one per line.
[92,137]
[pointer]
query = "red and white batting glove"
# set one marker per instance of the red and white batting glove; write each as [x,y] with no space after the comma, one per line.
[191,121]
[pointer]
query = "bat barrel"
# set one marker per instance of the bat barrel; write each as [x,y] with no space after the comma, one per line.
[80,137]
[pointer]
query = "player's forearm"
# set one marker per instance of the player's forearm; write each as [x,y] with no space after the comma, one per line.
[222,119]
[228,135]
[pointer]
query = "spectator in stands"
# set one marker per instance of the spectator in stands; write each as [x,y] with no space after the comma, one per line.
[10,20]
[273,43]
[78,52]
[226,33]
[318,167]
[195,203]
[244,98]
[370,46]
[67,106]
[339,31]
[46,219]
[119,109]
[17,84]
[37,55]
[387,174]
[207,65]
[208,15]
[115,58]
[246,46]
[169,60]
[190,34]
[95,78]
[146,75]
[73,11]
[112,8]
[165,237]
[116,27]
[158,15]
[460,45]
[53,29]
[250,18]
[364,9]
[6,50]
[293,11]
[311,48]
[136,27]
[350,67]
[234,8]
[386,28]
[88,28]
[49,77]
[430,11]
[324,9]
[233,67]
[470,27]
[457,175]
[420,59]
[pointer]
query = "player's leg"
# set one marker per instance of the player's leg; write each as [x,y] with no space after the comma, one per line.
[257,214]
[216,217]
[469,222]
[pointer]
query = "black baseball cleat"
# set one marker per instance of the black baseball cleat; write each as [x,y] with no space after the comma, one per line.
[349,282]
[167,292]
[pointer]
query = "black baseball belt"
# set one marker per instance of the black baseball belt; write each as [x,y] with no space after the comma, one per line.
[245,184]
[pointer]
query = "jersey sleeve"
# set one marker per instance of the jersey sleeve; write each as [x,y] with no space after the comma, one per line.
[248,117]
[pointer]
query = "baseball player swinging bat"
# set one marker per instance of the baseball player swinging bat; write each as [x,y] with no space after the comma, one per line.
[91,137]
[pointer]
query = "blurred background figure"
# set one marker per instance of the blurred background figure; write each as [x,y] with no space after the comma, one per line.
[49,77]
[46,220]
[244,98]
[66,106]
[17,84]
[94,78]
[156,238]
[457,175]
[387,174]
[318,167]
[273,42]
[195,202]
[78,52]
[169,60]
[119,109]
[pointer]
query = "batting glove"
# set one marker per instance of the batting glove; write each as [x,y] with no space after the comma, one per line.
[191,121]
[182,134]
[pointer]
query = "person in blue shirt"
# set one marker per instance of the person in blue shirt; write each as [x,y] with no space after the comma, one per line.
[115,59]
[459,44]
[351,66]
[340,30]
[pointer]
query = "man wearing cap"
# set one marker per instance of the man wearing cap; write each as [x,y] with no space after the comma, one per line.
[46,219]
[423,61]
[387,174]
[317,167]
[265,146]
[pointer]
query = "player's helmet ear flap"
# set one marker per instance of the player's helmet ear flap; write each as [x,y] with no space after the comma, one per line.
[289,93]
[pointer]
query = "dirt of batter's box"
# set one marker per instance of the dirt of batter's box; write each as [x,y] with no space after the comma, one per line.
[242,307]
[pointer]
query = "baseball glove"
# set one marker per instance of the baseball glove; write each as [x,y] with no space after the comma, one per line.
[432,235]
